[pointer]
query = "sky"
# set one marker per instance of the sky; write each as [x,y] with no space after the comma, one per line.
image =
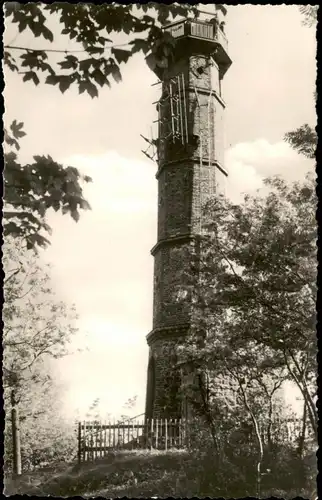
[102,264]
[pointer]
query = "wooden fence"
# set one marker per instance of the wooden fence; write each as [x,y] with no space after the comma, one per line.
[96,439]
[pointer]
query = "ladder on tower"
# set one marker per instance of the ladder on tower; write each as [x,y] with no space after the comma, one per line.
[206,149]
[173,122]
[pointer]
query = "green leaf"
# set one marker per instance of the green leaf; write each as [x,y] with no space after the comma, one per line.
[36,28]
[70,62]
[140,44]
[52,79]
[31,75]
[16,129]
[102,40]
[163,13]
[47,34]
[30,59]
[22,26]
[11,65]
[12,142]
[95,50]
[121,55]
[85,64]
[64,83]
[75,215]
[89,87]
[151,61]
[99,77]
[116,74]
[11,8]
[10,156]
[46,67]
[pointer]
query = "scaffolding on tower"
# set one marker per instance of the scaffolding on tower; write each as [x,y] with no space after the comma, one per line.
[151,151]
[206,148]
[172,111]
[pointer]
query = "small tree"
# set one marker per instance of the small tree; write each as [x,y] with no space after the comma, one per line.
[36,324]
[47,437]
[260,279]
[253,289]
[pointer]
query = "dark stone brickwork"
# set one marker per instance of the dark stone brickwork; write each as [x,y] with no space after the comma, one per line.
[166,401]
[184,183]
[175,200]
[171,305]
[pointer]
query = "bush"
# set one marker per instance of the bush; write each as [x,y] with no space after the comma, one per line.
[43,445]
[231,469]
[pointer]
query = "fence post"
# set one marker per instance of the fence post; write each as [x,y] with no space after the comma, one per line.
[79,436]
[166,433]
[16,448]
[145,434]
[84,443]
[152,434]
[156,433]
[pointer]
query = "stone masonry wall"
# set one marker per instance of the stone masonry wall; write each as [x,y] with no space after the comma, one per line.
[175,197]
[171,293]
[184,185]
[166,401]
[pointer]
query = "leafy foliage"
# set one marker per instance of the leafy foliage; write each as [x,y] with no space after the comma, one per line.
[88,24]
[35,188]
[31,190]
[46,437]
[303,140]
[255,295]
[36,327]
[309,13]
[36,324]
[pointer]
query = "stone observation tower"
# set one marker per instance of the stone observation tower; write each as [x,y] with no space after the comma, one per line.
[190,150]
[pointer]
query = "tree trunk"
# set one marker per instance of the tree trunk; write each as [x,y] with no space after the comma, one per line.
[311,407]
[16,448]
[259,439]
[207,412]
[303,430]
[269,427]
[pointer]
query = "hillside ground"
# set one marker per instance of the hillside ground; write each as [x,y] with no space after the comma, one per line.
[146,474]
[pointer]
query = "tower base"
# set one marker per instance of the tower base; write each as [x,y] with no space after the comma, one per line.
[164,395]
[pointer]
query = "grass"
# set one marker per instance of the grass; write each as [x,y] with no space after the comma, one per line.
[147,474]
[136,473]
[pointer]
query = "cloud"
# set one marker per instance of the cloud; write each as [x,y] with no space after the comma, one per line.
[248,163]
[120,185]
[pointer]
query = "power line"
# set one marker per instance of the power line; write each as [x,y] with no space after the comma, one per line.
[66,51]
